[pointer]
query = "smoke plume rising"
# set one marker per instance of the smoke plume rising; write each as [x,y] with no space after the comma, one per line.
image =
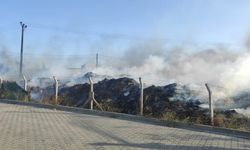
[227,71]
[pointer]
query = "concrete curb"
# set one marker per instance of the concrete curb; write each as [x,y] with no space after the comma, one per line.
[141,119]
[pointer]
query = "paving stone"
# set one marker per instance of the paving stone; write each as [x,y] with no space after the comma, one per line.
[31,128]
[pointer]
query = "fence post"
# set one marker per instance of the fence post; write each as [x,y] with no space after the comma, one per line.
[211,109]
[1,82]
[25,83]
[141,96]
[56,89]
[92,97]
[91,93]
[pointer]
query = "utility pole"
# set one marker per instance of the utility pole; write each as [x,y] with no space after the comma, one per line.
[211,109]
[96,60]
[24,26]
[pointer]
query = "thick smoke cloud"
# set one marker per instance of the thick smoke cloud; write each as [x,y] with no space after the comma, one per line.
[227,71]
[8,63]
[157,63]
[153,61]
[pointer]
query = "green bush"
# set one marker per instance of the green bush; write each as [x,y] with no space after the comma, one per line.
[10,90]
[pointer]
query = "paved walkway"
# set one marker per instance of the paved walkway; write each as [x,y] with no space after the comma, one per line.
[31,128]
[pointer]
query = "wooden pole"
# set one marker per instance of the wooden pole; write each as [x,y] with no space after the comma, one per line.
[56,89]
[211,109]
[141,97]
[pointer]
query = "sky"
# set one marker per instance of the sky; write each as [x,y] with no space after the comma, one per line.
[83,26]
[141,31]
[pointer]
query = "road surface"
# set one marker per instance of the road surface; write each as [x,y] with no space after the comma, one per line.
[31,128]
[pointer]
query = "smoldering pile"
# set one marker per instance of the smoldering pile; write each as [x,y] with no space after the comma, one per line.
[122,95]
[173,101]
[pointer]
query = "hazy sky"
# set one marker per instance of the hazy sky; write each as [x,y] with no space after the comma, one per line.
[77,26]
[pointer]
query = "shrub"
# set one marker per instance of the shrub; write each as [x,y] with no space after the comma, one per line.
[169,116]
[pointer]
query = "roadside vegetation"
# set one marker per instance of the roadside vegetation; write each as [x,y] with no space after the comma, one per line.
[10,90]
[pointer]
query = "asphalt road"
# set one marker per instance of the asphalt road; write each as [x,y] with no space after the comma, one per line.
[31,128]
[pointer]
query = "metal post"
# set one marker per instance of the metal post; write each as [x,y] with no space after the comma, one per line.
[141,96]
[1,82]
[96,59]
[56,89]
[21,56]
[40,82]
[91,93]
[25,83]
[211,109]
[91,98]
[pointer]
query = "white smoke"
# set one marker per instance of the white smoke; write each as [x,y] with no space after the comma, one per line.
[237,77]
[245,112]
[225,70]
[8,64]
